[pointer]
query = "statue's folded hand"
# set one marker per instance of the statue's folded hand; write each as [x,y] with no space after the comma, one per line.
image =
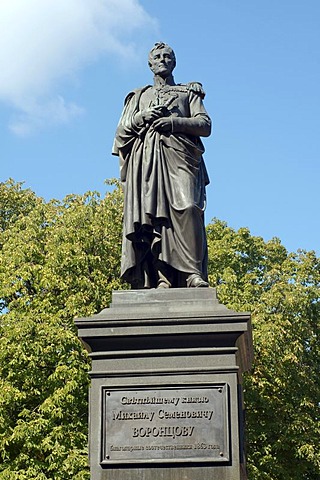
[162,124]
[150,114]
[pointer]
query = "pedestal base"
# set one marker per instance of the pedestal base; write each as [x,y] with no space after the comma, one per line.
[165,400]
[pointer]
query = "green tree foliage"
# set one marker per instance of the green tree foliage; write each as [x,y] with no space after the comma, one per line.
[282,392]
[59,260]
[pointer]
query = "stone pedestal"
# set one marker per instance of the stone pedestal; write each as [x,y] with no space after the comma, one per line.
[165,398]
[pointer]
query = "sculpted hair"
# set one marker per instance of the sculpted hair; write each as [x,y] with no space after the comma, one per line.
[159,46]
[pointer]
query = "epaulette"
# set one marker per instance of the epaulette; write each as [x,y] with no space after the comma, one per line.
[196,87]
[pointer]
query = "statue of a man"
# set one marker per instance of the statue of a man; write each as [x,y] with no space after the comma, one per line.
[164,178]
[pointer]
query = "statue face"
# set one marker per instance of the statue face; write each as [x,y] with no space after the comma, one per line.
[162,62]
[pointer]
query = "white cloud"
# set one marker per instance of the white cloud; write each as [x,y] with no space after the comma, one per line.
[35,115]
[45,41]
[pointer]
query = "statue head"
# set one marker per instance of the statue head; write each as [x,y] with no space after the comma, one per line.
[162,59]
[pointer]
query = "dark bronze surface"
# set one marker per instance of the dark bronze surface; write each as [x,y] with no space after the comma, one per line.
[165,425]
[158,141]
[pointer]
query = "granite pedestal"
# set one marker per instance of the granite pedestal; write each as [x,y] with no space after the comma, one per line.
[165,398]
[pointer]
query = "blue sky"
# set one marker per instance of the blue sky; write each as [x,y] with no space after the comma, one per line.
[67,66]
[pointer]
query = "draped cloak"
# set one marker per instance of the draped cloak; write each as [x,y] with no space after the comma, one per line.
[164,179]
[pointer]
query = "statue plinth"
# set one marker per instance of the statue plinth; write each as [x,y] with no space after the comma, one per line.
[165,399]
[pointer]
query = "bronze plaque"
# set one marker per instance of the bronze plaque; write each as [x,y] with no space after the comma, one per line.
[165,425]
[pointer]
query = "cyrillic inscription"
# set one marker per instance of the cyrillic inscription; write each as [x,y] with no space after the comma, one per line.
[165,425]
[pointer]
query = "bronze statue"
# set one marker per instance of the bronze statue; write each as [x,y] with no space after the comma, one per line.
[164,178]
